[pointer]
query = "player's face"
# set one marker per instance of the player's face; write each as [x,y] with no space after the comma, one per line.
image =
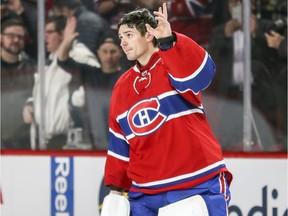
[52,37]
[133,44]
[12,39]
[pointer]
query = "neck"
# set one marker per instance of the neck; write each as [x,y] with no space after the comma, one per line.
[110,69]
[8,57]
[144,59]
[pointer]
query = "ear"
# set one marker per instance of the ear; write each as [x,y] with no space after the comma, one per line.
[149,37]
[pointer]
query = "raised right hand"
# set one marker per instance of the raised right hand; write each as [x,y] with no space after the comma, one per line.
[69,33]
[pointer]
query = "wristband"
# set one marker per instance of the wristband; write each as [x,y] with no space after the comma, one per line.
[169,39]
[167,42]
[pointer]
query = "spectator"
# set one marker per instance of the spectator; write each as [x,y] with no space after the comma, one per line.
[17,71]
[27,11]
[278,42]
[57,90]
[113,10]
[227,49]
[89,4]
[89,24]
[97,83]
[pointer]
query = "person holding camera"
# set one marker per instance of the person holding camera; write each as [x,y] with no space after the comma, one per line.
[227,49]
[277,40]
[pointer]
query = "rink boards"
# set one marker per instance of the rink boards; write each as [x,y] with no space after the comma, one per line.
[71,184]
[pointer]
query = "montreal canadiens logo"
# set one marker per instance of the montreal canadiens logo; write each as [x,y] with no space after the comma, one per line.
[144,117]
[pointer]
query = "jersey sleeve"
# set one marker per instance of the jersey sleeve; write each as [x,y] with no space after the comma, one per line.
[117,159]
[190,67]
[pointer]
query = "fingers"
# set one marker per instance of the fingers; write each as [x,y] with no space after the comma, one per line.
[162,12]
[71,21]
[274,33]
[165,12]
[69,31]
[163,28]
[28,114]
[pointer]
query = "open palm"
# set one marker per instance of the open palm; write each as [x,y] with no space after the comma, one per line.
[163,28]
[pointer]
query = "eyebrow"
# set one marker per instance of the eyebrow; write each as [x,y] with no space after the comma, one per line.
[126,32]
[14,34]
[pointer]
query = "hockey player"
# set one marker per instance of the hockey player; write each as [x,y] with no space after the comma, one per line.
[162,150]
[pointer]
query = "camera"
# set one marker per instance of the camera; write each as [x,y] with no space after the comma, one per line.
[4,1]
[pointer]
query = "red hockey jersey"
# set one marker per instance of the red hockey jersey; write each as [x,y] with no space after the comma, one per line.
[159,136]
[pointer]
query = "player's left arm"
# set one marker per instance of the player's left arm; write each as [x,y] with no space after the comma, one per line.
[190,67]
[116,203]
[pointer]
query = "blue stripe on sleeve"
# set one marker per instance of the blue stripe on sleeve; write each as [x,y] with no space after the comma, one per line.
[118,146]
[197,83]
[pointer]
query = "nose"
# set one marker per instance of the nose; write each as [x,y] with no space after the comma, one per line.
[109,55]
[123,42]
[17,38]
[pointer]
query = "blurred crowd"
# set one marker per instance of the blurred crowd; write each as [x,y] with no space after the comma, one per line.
[84,59]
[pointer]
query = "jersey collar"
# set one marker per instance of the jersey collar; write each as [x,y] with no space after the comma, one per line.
[150,65]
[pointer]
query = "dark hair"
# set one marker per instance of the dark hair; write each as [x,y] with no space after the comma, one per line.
[59,22]
[11,22]
[138,18]
[112,36]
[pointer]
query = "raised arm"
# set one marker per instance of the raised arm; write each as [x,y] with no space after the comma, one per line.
[68,38]
[163,28]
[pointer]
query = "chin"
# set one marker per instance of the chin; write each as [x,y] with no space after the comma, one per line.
[131,58]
